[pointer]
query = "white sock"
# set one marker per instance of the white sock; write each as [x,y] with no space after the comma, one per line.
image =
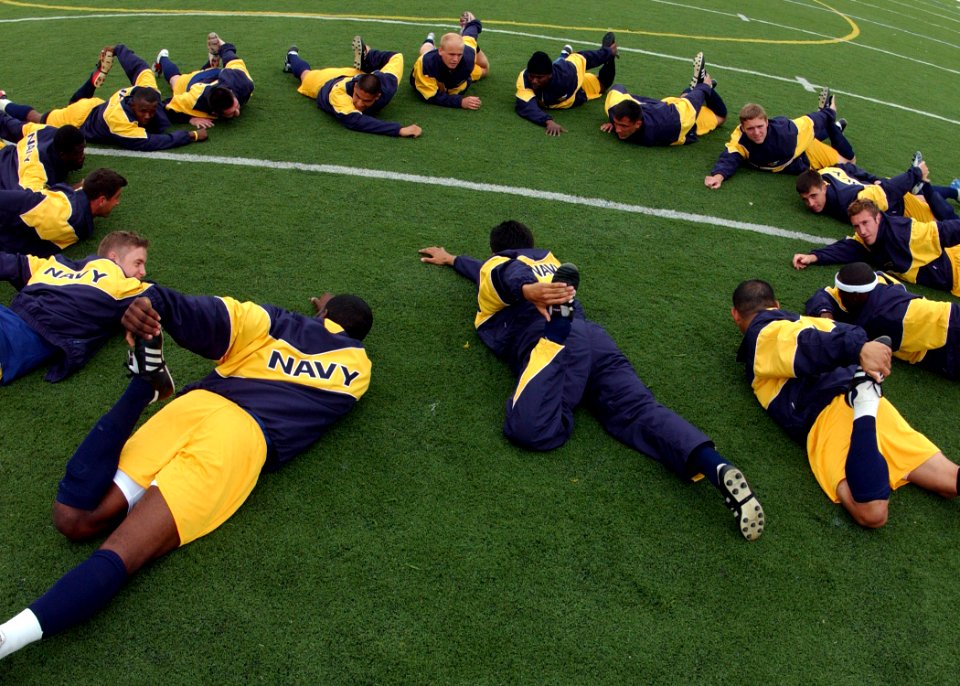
[18,632]
[867,401]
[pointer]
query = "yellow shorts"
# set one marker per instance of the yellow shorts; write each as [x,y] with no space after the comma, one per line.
[589,83]
[953,253]
[903,447]
[477,72]
[917,208]
[74,114]
[705,120]
[312,81]
[204,453]
[821,155]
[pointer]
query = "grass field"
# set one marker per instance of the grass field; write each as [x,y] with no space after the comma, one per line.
[413,544]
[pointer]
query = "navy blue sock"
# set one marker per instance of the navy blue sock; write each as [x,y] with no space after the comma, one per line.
[90,471]
[87,90]
[939,207]
[18,111]
[80,593]
[716,104]
[839,141]
[557,329]
[298,64]
[867,474]
[168,68]
[707,461]
[947,192]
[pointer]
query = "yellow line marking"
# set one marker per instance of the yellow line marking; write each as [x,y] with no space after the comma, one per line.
[854,29]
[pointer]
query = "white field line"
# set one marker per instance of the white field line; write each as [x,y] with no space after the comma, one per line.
[898,29]
[460,184]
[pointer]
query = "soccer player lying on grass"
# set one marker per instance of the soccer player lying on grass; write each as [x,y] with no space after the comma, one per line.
[354,95]
[67,309]
[44,222]
[829,191]
[926,253]
[528,316]
[670,121]
[132,118]
[819,380]
[282,380]
[784,145]
[923,332]
[442,74]
[564,82]
[210,93]
[40,155]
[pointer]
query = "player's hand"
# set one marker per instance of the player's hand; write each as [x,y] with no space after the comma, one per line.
[140,319]
[606,127]
[412,131]
[202,122]
[471,102]
[320,302]
[803,260]
[201,135]
[713,181]
[543,294]
[876,359]
[554,129]
[437,255]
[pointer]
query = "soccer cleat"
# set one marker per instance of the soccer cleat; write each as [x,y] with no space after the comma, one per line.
[359,53]
[566,51]
[740,500]
[431,38]
[842,124]
[915,162]
[292,50]
[609,38]
[158,70]
[466,18]
[826,98]
[699,70]
[146,361]
[3,101]
[955,184]
[213,50]
[104,63]
[863,387]
[569,274]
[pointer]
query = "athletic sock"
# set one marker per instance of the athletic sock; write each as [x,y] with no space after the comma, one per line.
[607,73]
[840,142]
[557,329]
[80,593]
[867,473]
[168,68]
[297,64]
[87,90]
[18,632]
[18,111]
[707,461]
[716,104]
[90,471]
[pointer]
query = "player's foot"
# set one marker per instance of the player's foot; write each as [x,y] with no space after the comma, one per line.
[740,500]
[699,70]
[104,63]
[842,124]
[292,50]
[431,38]
[955,184]
[213,50]
[916,161]
[826,99]
[466,18]
[359,53]
[566,51]
[158,70]
[4,102]
[863,387]
[146,361]
[609,40]
[569,274]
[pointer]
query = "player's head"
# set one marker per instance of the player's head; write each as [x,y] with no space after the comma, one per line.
[854,283]
[224,103]
[865,218]
[102,188]
[366,90]
[813,190]
[70,146]
[539,70]
[350,312]
[749,298]
[450,49]
[144,102]
[627,118]
[128,250]
[510,235]
[753,122]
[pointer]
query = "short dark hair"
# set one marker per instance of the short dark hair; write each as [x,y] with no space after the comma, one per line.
[753,296]
[510,235]
[68,142]
[102,183]
[220,99]
[539,63]
[863,205]
[117,240]
[627,109]
[808,180]
[368,83]
[145,95]
[352,313]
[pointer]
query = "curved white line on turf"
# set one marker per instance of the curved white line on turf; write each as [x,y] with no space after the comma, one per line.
[572,41]
[460,184]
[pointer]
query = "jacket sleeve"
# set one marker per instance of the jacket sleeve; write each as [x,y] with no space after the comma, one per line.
[842,252]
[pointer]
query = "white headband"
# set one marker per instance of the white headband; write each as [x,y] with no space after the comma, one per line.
[850,288]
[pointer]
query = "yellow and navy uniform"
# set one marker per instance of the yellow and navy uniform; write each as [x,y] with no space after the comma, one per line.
[44,222]
[800,369]
[927,253]
[73,305]
[31,162]
[570,85]
[670,121]
[438,84]
[791,146]
[191,91]
[848,182]
[554,378]
[924,332]
[113,121]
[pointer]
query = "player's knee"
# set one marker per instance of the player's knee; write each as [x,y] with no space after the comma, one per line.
[71,522]
[872,515]
[720,120]
[534,438]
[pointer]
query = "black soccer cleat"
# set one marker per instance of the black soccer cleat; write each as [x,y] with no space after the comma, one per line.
[609,38]
[566,51]
[842,124]
[740,500]
[916,161]
[292,50]
[569,274]
[826,98]
[359,53]
[146,361]
[699,70]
